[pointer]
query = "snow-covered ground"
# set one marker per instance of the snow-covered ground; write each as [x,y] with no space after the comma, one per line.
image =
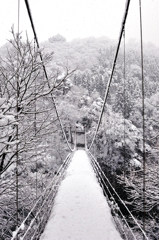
[80,211]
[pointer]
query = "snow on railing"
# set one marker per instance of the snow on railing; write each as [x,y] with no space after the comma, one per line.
[120,220]
[33,225]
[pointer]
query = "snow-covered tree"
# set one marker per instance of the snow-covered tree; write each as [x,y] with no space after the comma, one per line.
[27,125]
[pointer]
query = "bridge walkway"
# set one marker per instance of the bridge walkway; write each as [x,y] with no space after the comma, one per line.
[80,210]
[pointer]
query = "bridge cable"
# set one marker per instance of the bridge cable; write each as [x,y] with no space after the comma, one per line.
[124,105]
[109,195]
[17,126]
[35,126]
[143,118]
[114,63]
[55,181]
[45,72]
[118,197]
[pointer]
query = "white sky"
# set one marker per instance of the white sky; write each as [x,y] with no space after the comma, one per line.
[80,18]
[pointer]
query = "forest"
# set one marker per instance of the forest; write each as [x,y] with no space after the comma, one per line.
[32,146]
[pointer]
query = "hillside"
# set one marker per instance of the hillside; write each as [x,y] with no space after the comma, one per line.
[78,72]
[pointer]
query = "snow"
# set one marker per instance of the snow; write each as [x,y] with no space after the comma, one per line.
[80,210]
[135,163]
[2,100]
[3,122]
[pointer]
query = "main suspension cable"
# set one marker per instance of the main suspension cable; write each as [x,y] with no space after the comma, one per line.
[45,72]
[143,118]
[111,76]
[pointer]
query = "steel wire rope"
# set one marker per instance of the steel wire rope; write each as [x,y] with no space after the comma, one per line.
[100,170]
[103,184]
[114,63]
[43,204]
[143,117]
[50,186]
[124,73]
[17,126]
[49,204]
[45,72]
[35,124]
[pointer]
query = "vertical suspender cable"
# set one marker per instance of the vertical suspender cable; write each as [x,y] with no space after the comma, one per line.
[17,126]
[46,76]
[35,125]
[124,105]
[143,118]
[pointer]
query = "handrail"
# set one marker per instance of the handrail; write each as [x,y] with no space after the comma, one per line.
[102,173]
[43,198]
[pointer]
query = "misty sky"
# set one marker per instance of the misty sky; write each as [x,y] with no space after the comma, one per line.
[80,18]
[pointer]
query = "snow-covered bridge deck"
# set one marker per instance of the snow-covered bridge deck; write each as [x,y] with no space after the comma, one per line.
[80,210]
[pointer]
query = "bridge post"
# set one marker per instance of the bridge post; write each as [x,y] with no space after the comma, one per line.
[75,138]
[85,139]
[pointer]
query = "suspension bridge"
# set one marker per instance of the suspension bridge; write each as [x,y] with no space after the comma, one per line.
[80,202]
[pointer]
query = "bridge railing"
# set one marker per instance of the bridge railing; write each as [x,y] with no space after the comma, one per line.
[124,226]
[33,225]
